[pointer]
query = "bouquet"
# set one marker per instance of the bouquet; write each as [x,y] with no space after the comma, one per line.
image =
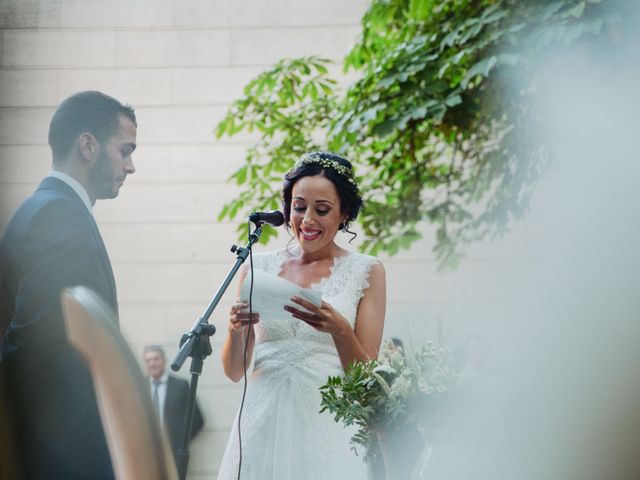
[386,395]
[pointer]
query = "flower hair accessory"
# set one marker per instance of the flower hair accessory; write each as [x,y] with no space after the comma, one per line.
[316,158]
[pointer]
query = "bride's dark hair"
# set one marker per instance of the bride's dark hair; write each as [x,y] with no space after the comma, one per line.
[335,168]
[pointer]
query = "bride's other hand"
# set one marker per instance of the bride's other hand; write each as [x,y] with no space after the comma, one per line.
[239,317]
[323,318]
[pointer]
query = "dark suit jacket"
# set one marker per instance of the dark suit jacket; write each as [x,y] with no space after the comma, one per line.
[52,242]
[175,413]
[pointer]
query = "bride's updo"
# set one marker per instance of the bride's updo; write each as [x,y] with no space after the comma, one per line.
[333,167]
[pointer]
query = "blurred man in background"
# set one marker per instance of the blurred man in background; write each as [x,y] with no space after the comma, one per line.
[170,396]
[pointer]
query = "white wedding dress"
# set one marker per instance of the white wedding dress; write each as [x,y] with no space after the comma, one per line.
[284,437]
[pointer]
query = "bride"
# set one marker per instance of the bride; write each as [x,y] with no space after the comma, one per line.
[283,434]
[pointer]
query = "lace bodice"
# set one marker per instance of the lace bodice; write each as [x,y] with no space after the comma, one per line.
[343,289]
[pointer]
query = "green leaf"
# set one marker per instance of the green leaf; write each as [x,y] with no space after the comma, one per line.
[320,68]
[483,67]
[234,206]
[314,91]
[453,100]
[221,127]
[230,127]
[385,128]
[443,70]
[494,16]
[418,112]
[223,212]
[240,175]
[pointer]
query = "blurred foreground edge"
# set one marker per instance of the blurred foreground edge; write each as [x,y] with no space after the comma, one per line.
[136,442]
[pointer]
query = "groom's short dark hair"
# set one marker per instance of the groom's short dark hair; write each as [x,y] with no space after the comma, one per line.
[88,111]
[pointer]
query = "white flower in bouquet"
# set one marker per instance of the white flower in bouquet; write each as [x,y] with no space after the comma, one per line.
[401,387]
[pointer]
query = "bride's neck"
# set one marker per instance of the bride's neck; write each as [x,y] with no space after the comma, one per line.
[328,253]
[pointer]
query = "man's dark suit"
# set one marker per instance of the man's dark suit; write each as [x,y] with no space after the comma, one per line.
[52,242]
[175,412]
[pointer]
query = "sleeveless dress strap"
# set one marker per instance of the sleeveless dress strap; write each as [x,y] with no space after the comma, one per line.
[351,276]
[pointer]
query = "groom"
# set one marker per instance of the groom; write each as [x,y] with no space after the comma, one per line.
[53,242]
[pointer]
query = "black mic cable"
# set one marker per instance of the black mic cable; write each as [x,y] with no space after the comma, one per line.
[244,356]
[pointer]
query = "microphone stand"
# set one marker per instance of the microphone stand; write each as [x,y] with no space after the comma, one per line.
[196,344]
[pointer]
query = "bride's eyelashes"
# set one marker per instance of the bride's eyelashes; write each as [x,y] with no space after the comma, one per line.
[320,212]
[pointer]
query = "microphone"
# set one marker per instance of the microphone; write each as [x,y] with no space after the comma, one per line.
[275,218]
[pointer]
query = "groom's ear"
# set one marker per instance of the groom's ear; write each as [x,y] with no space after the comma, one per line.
[88,147]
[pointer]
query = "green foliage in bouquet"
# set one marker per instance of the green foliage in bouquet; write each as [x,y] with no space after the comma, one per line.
[385,395]
[440,122]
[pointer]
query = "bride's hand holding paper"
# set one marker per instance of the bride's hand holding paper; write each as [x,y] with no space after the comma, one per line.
[323,318]
[239,317]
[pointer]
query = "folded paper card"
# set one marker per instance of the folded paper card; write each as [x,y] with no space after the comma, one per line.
[271,293]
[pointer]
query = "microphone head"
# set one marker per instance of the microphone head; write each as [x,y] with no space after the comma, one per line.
[278,218]
[274,218]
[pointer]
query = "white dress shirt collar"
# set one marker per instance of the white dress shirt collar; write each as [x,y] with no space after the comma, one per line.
[163,379]
[161,392]
[75,185]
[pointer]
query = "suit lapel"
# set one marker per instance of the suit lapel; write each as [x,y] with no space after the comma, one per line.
[65,190]
[106,263]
